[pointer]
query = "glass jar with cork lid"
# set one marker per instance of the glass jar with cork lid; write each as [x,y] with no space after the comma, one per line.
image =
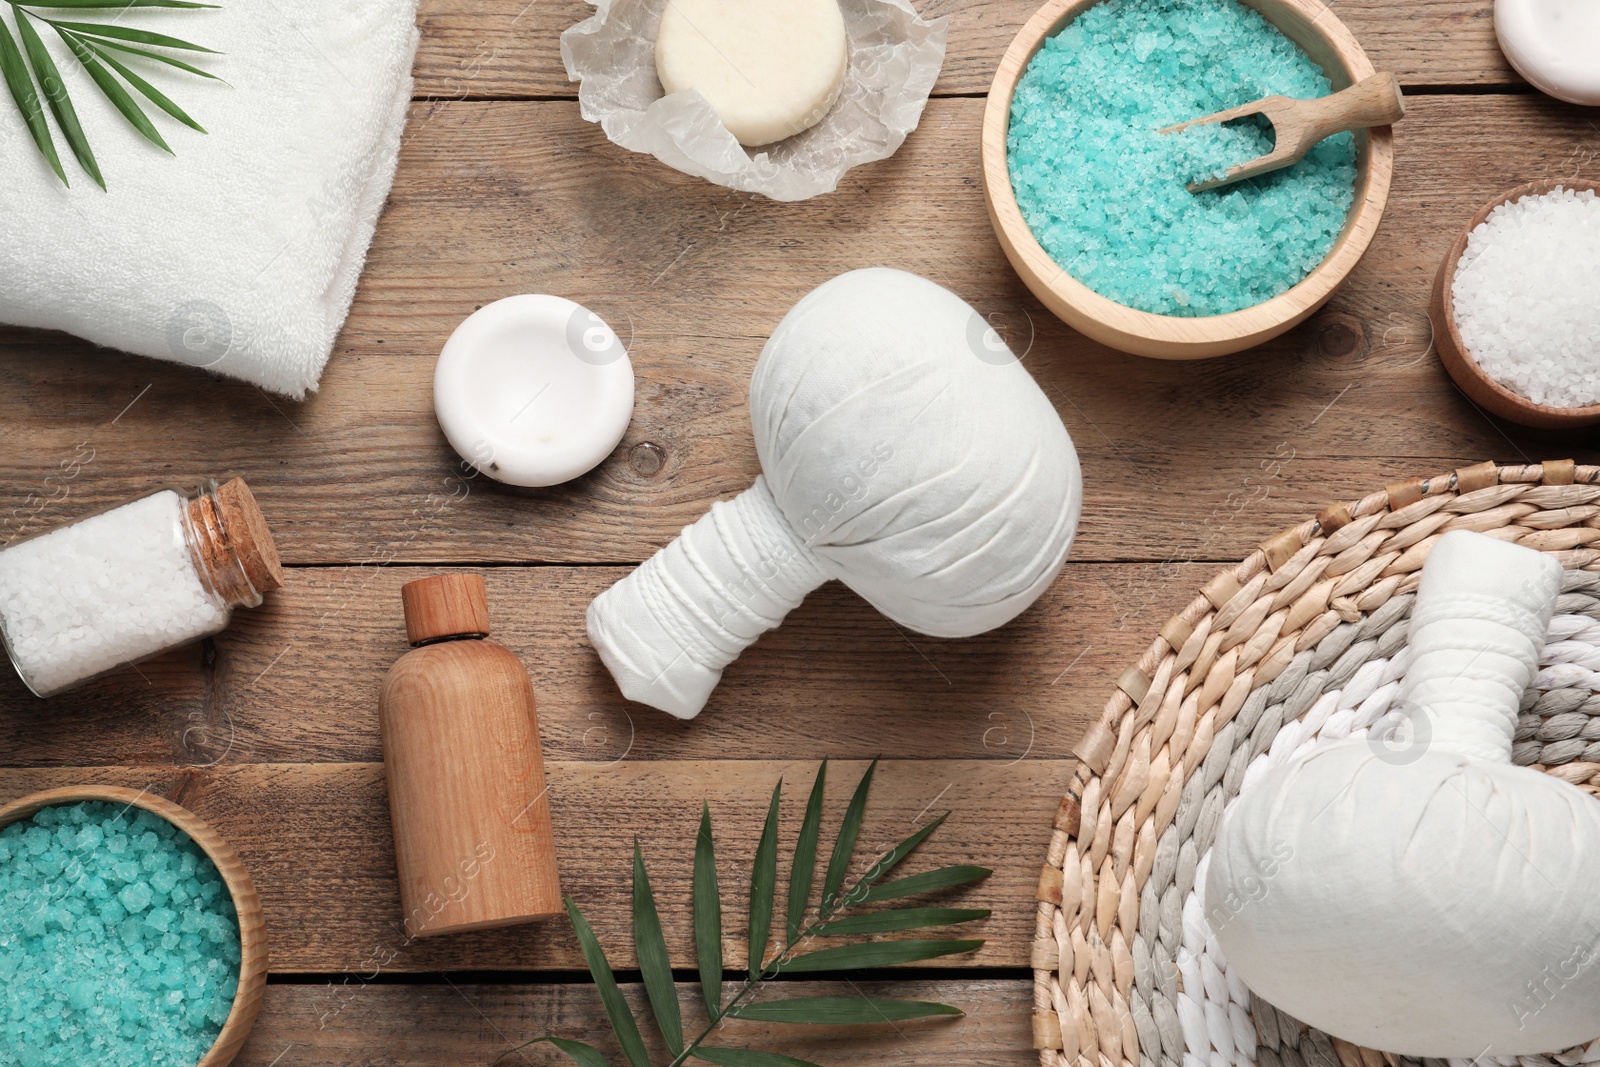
[114,588]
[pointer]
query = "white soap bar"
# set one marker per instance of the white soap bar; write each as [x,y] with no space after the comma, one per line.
[1555,44]
[769,68]
[533,390]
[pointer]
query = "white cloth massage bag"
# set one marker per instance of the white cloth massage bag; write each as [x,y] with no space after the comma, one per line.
[1438,901]
[904,452]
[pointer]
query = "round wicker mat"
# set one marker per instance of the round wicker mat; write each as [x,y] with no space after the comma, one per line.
[1299,645]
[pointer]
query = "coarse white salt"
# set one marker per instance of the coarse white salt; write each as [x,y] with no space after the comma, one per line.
[100,593]
[1526,297]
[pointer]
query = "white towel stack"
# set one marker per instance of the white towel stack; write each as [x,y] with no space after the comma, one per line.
[242,253]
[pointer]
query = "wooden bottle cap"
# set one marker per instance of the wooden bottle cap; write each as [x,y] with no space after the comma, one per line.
[446,605]
[248,535]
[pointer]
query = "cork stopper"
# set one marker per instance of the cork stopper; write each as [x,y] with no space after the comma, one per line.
[446,605]
[234,544]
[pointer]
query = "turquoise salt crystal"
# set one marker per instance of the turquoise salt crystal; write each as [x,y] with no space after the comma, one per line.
[119,946]
[1106,194]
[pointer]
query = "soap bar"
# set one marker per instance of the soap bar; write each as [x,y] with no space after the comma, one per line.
[769,68]
[1555,44]
[533,390]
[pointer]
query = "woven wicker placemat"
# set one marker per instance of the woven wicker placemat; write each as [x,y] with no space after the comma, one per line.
[1299,645]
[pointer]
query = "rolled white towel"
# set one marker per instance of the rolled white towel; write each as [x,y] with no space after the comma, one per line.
[240,254]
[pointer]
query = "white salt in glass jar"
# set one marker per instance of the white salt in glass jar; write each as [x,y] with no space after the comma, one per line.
[100,593]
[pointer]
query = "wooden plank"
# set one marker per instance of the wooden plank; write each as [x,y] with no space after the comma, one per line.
[316,839]
[296,681]
[473,48]
[346,1023]
[1183,461]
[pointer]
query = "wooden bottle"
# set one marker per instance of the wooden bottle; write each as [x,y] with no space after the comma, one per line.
[467,792]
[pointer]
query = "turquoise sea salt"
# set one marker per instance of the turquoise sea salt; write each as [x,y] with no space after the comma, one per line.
[119,946]
[1106,194]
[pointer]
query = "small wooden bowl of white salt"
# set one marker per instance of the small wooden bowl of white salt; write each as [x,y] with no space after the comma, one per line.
[1534,359]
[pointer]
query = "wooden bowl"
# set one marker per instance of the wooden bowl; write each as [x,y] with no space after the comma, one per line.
[1473,380]
[1325,39]
[246,904]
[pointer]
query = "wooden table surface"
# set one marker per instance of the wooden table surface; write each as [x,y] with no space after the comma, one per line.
[270,730]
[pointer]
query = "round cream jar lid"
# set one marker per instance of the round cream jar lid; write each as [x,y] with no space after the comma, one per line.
[533,390]
[1555,44]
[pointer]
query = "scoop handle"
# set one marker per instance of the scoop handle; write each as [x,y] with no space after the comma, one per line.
[1476,632]
[668,629]
[1375,100]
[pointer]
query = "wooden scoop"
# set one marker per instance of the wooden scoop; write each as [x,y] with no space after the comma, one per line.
[1299,124]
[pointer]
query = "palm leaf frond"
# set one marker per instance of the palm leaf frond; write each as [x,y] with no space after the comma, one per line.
[20,84]
[926,882]
[621,1019]
[147,54]
[803,870]
[117,32]
[877,954]
[651,945]
[114,91]
[743,1057]
[55,91]
[38,80]
[841,1011]
[708,916]
[888,922]
[827,920]
[108,5]
[845,845]
[889,861]
[581,1054]
[763,885]
[154,95]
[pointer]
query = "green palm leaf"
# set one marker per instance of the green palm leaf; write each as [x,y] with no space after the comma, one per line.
[20,83]
[845,846]
[889,861]
[114,91]
[708,916]
[128,33]
[842,1011]
[107,4]
[655,964]
[89,43]
[763,885]
[888,922]
[55,90]
[605,982]
[155,96]
[651,946]
[146,53]
[803,870]
[583,1055]
[877,954]
[927,882]
[743,1057]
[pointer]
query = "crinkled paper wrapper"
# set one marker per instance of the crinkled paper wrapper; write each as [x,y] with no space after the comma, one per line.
[895,56]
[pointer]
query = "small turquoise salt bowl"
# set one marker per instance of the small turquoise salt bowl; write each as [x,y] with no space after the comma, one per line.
[246,904]
[1326,40]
